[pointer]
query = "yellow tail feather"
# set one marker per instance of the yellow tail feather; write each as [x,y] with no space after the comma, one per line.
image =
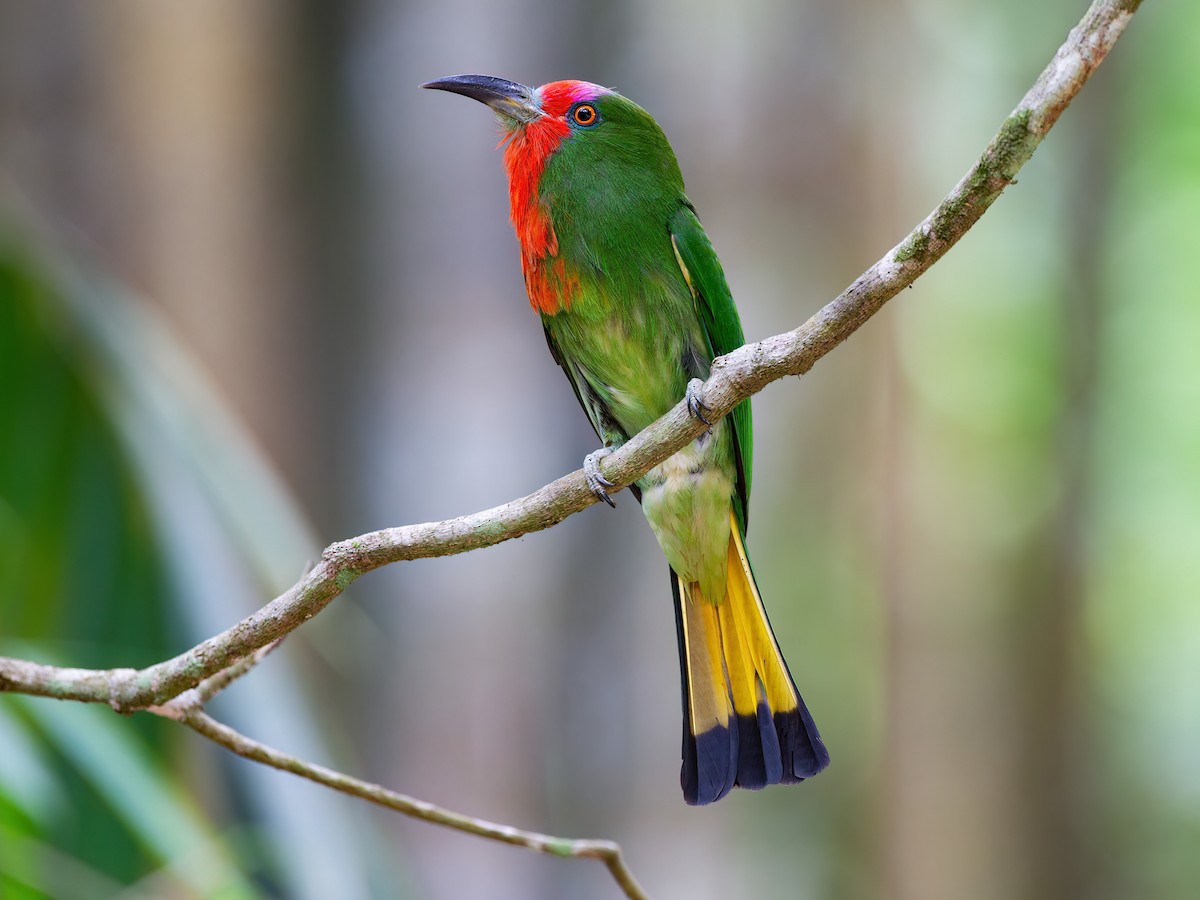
[755,629]
[746,724]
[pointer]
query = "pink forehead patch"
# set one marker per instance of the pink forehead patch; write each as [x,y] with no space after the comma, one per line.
[557,96]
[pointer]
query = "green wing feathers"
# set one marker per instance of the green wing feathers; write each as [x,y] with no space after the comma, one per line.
[704,275]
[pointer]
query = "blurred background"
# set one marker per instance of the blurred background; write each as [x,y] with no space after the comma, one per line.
[259,293]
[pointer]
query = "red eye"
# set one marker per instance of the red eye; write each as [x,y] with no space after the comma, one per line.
[584,114]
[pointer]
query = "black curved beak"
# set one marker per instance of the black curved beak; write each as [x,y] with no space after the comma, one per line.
[509,99]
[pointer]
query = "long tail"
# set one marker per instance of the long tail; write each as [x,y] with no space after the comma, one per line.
[745,724]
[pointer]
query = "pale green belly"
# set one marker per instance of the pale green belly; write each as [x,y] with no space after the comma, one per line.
[687,500]
[632,358]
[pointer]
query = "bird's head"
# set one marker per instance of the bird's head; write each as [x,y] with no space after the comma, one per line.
[572,149]
[550,113]
[593,126]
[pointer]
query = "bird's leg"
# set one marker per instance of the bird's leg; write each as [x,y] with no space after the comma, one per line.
[695,405]
[596,481]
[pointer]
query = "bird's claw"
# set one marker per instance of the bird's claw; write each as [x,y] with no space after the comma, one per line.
[596,481]
[695,405]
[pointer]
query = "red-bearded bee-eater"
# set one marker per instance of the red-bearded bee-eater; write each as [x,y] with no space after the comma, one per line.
[635,306]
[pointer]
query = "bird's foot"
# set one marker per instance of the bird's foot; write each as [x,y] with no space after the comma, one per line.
[696,406]
[596,481]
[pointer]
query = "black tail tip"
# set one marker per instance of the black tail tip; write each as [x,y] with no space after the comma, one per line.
[761,749]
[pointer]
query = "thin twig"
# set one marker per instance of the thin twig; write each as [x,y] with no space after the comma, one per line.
[608,852]
[196,697]
[188,709]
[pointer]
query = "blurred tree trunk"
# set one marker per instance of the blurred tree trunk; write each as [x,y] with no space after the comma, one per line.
[198,110]
[1057,764]
[985,766]
[447,423]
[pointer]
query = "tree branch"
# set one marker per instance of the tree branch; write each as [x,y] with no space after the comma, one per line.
[188,709]
[607,851]
[734,377]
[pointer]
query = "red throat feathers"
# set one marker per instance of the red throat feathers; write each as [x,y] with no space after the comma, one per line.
[549,284]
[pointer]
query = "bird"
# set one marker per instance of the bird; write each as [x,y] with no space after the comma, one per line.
[635,306]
